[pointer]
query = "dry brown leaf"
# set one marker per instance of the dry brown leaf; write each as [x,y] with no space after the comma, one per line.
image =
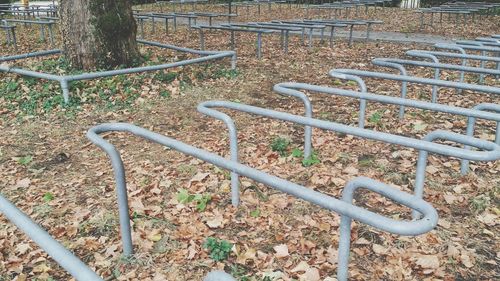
[311,274]
[428,261]
[379,249]
[23,183]
[281,251]
[301,267]
[215,222]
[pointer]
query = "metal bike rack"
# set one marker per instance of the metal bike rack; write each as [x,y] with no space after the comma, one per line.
[348,23]
[403,102]
[58,252]
[64,80]
[438,66]
[491,150]
[482,70]
[343,206]
[491,107]
[232,30]
[404,78]
[42,23]
[294,89]
[10,34]
[473,46]
[67,260]
[462,55]
[284,31]
[303,25]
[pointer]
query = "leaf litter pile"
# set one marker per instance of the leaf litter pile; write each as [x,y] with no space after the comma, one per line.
[183,222]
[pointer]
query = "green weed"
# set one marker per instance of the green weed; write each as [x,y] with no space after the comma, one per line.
[218,249]
[201,200]
[25,160]
[280,145]
[311,160]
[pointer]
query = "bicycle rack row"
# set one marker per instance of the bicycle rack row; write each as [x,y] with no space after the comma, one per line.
[261,28]
[32,11]
[67,260]
[285,27]
[65,80]
[344,207]
[337,7]
[42,23]
[10,34]
[404,78]
[458,9]
[192,18]
[492,151]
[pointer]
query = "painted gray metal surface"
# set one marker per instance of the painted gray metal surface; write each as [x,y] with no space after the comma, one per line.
[491,151]
[295,90]
[218,276]
[492,107]
[343,207]
[64,80]
[30,55]
[420,80]
[69,262]
[58,252]
[477,70]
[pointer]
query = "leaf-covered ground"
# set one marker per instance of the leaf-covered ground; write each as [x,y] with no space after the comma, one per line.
[54,174]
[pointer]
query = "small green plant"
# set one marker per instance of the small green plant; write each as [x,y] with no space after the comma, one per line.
[218,249]
[352,83]
[297,153]
[311,160]
[376,118]
[12,86]
[25,160]
[366,160]
[226,73]
[280,145]
[47,197]
[201,200]
[240,273]
[479,203]
[166,77]
[255,213]
[337,82]
[165,94]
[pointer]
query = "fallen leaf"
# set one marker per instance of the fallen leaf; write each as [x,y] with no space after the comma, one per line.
[311,274]
[379,249]
[23,183]
[488,219]
[428,261]
[301,267]
[249,254]
[215,222]
[465,259]
[199,177]
[281,251]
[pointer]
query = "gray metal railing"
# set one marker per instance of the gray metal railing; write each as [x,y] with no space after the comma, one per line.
[58,252]
[344,207]
[491,151]
[65,80]
[419,80]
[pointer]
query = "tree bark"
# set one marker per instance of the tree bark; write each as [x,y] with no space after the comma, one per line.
[98,33]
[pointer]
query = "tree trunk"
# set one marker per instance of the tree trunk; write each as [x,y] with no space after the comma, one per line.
[98,33]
